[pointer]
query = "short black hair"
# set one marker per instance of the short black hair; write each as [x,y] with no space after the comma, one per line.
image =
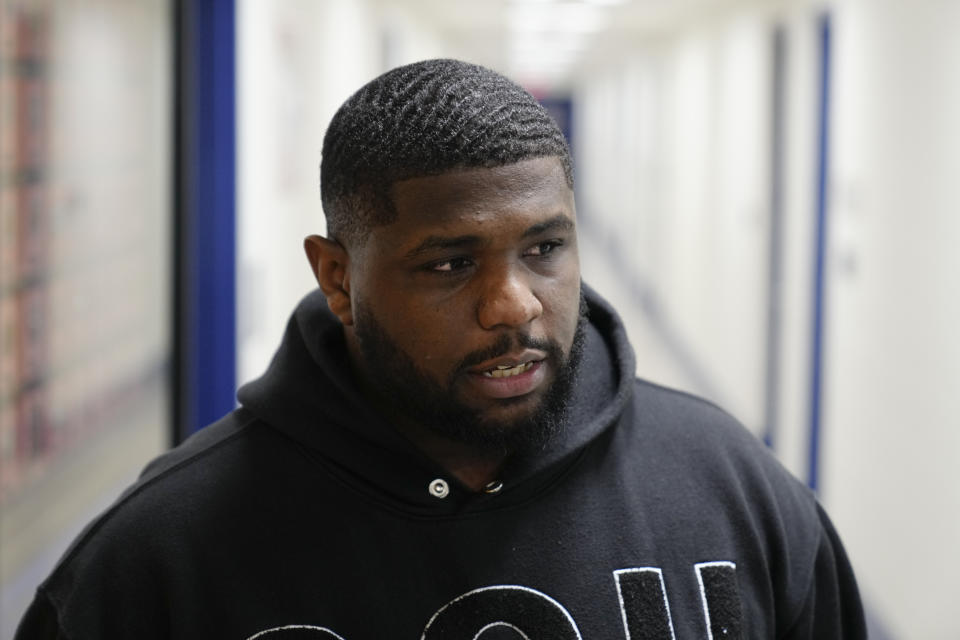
[422,119]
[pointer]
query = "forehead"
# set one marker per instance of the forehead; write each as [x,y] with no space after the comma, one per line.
[521,193]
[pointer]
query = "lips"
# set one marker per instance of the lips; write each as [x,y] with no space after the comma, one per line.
[510,364]
[511,375]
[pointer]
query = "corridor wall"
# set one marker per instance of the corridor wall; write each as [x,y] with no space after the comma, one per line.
[85,243]
[892,443]
[679,140]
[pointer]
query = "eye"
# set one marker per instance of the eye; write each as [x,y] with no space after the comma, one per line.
[450,266]
[543,248]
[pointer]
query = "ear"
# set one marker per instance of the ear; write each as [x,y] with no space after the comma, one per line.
[330,263]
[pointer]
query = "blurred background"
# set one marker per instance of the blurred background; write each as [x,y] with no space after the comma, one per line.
[767,190]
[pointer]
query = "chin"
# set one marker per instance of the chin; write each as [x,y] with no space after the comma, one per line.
[515,425]
[506,411]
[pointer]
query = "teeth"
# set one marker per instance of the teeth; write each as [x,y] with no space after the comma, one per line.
[506,371]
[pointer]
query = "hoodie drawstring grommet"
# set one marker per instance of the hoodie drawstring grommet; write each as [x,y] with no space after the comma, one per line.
[439,488]
[493,487]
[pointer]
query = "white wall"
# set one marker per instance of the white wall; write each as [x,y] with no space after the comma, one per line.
[672,158]
[295,62]
[892,467]
[86,115]
[674,166]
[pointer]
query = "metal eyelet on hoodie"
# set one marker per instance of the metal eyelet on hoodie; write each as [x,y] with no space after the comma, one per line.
[439,488]
[493,487]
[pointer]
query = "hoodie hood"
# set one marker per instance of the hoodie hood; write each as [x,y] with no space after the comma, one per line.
[309,394]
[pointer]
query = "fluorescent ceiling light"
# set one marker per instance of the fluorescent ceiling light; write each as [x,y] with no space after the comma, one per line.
[564,17]
[548,45]
[606,3]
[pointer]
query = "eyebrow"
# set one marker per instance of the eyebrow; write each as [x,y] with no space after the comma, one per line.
[559,222]
[431,243]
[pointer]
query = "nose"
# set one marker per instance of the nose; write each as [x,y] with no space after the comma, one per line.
[507,301]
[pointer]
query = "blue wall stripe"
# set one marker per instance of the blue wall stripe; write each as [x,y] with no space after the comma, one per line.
[209,219]
[816,382]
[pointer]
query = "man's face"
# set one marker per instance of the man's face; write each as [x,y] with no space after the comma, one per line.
[466,307]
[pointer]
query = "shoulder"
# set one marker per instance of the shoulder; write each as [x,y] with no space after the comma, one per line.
[679,409]
[195,467]
[210,440]
[695,429]
[228,436]
[690,445]
[718,474]
[691,437]
[167,506]
[220,458]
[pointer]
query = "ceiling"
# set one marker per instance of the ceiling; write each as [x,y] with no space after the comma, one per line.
[545,43]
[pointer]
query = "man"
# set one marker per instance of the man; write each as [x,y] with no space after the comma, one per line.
[450,442]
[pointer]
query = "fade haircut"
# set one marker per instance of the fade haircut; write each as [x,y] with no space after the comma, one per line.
[423,119]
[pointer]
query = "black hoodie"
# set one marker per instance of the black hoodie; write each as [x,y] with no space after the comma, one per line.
[304,514]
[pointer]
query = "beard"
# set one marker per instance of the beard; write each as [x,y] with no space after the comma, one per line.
[405,390]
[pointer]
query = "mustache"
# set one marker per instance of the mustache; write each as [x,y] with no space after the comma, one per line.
[507,343]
